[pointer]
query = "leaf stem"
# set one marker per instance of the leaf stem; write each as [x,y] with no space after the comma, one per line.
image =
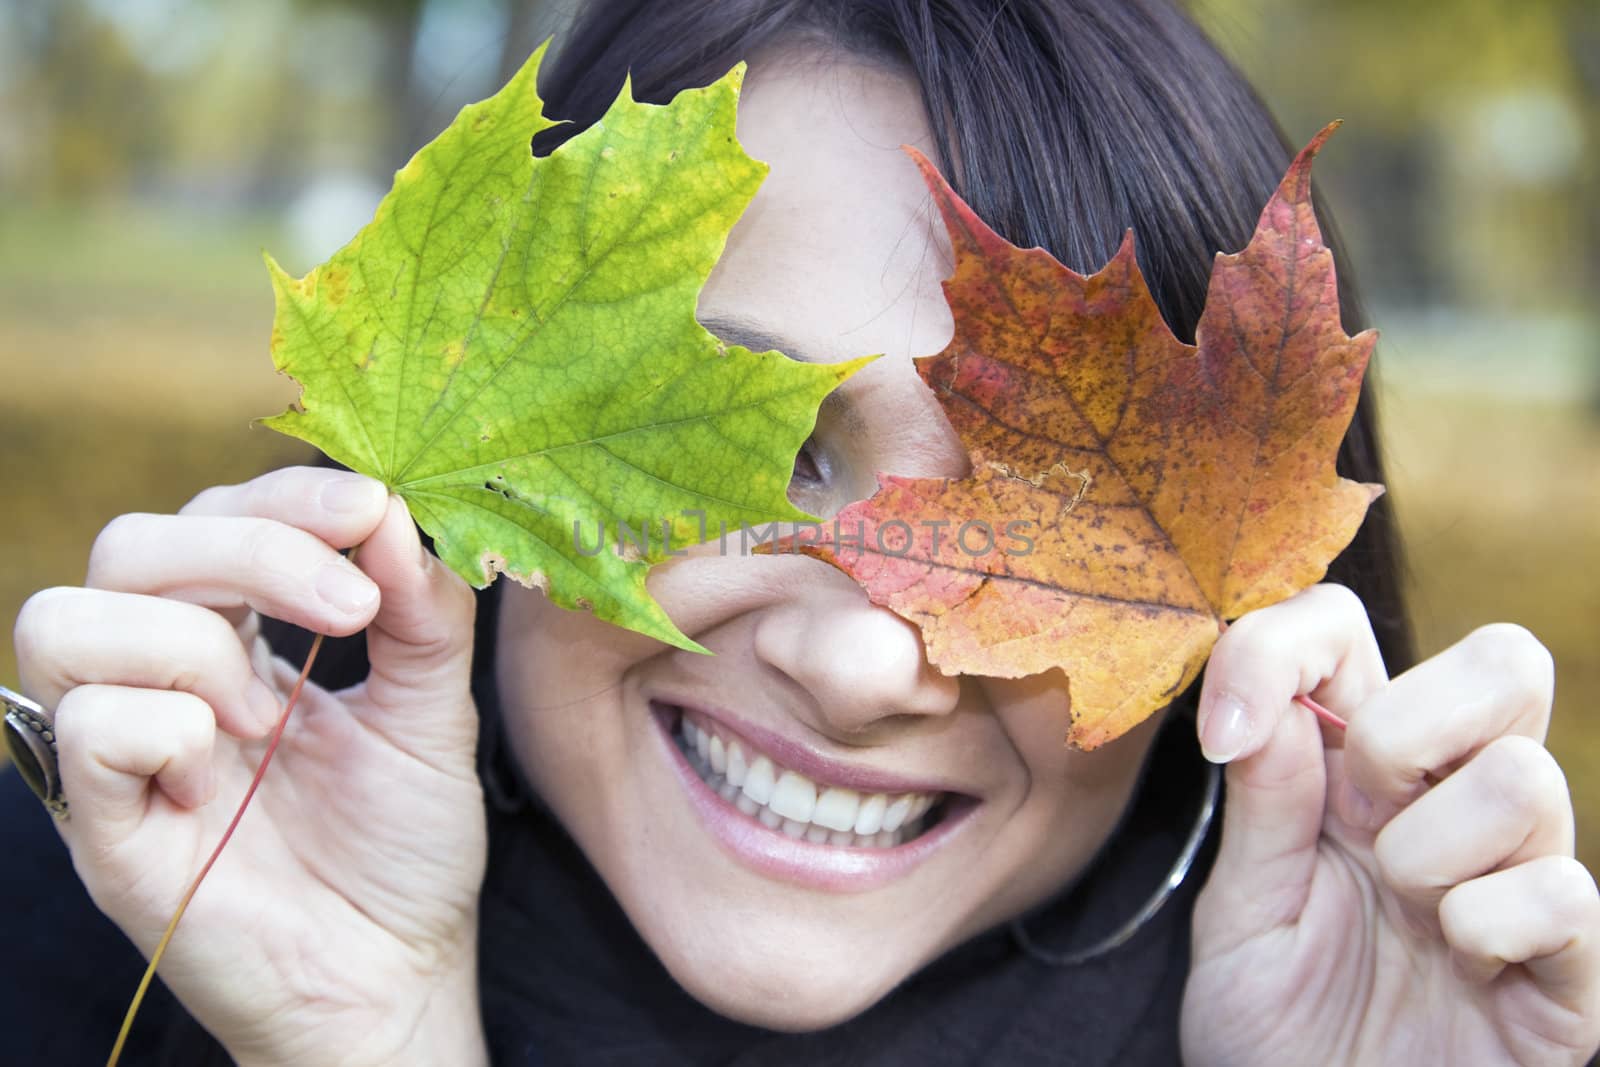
[1321,712]
[183,905]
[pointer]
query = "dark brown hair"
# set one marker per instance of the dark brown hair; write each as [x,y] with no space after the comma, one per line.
[1073,121]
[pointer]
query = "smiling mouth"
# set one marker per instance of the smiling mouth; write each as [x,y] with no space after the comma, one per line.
[784,800]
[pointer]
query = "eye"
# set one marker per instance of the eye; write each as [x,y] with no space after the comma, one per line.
[810,464]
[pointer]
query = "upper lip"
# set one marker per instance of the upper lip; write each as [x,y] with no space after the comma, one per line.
[799,756]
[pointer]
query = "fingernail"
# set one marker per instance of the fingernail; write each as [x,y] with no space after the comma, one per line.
[264,704]
[345,496]
[1356,807]
[345,588]
[1224,730]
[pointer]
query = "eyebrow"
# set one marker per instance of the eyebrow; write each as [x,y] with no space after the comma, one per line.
[738,331]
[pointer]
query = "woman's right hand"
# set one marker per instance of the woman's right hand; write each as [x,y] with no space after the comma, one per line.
[340,923]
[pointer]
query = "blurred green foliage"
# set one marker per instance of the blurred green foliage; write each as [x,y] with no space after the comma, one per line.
[150,148]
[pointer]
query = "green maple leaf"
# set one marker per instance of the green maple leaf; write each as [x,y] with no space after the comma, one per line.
[510,346]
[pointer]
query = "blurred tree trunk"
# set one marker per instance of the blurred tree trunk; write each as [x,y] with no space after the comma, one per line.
[1583,37]
[397,22]
[522,28]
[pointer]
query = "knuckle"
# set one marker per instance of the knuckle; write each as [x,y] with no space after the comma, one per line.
[209,501]
[1341,599]
[1281,630]
[1567,891]
[1244,629]
[1255,635]
[1456,910]
[194,730]
[1522,775]
[1514,657]
[223,499]
[274,562]
[259,548]
[186,679]
[39,615]
[215,641]
[78,717]
[278,492]
[1378,742]
[115,540]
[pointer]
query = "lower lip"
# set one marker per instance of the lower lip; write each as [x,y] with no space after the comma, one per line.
[777,855]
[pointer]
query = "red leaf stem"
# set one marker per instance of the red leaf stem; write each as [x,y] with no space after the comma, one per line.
[1321,712]
[183,905]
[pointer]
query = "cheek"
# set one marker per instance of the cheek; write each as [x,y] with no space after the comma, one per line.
[1069,801]
[559,676]
[1035,713]
[548,657]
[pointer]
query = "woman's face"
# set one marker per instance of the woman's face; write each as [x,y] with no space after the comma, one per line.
[794,905]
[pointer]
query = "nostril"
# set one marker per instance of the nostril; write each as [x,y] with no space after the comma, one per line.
[862,664]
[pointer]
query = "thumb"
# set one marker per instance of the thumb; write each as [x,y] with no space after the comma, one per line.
[419,644]
[1317,643]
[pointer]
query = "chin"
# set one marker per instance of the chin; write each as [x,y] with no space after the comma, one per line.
[780,989]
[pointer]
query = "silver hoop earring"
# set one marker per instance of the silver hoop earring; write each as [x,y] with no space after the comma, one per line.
[1169,885]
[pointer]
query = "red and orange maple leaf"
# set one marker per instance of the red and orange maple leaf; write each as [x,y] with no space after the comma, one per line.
[1128,492]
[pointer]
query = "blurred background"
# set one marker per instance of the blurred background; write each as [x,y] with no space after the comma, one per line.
[150,149]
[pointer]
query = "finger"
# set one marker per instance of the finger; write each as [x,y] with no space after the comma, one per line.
[67,638]
[232,562]
[1506,806]
[420,642]
[1543,914]
[1497,680]
[339,507]
[114,741]
[1318,642]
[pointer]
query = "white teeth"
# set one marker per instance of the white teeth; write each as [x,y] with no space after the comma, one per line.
[789,801]
[869,820]
[836,809]
[895,813]
[737,767]
[759,782]
[794,797]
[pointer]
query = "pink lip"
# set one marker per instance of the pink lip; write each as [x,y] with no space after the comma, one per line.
[813,764]
[832,868]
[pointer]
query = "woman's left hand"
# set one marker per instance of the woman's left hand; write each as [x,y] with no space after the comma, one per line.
[1406,893]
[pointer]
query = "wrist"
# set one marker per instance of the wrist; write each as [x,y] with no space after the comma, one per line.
[447,1028]
[450,1029]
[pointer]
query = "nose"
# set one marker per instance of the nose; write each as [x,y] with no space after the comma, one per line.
[860,664]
